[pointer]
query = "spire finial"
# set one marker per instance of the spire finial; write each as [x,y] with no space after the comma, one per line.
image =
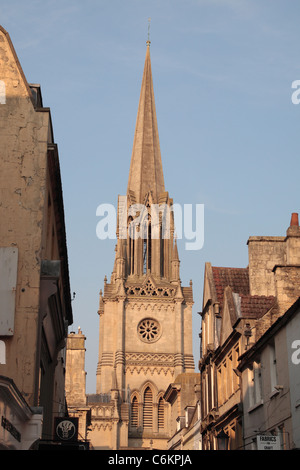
[148,41]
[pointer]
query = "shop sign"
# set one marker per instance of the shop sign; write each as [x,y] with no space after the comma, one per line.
[66,429]
[268,443]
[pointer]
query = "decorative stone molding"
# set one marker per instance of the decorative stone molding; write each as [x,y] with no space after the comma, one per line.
[98,426]
[149,370]
[178,359]
[106,359]
[156,358]
[149,363]
[102,411]
[119,358]
[189,361]
[152,307]
[149,290]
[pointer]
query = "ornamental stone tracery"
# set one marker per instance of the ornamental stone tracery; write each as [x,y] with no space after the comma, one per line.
[149,290]
[149,330]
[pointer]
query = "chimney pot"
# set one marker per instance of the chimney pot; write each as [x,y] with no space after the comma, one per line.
[294,219]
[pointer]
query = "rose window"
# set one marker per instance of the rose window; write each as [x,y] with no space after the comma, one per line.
[149,330]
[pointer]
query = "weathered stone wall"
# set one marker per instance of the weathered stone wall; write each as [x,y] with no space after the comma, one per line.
[23,157]
[75,370]
[264,254]
[287,279]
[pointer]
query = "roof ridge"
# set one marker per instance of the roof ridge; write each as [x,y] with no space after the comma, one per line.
[231,268]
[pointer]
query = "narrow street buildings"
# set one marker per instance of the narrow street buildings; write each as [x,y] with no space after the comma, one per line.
[240,307]
[271,385]
[148,395]
[35,302]
[184,425]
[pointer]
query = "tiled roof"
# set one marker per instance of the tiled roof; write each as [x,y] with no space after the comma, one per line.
[254,306]
[236,278]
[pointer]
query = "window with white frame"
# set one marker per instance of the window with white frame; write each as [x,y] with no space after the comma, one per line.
[255,384]
[273,366]
[2,353]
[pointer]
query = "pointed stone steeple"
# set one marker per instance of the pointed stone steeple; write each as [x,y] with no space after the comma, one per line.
[146,172]
[143,302]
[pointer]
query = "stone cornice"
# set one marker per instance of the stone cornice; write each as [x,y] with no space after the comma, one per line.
[11,395]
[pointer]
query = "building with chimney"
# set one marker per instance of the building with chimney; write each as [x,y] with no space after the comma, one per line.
[240,306]
[145,333]
[35,301]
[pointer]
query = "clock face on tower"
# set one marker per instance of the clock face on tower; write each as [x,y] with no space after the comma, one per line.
[149,330]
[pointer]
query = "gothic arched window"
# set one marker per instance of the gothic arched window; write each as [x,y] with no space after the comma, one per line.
[148,407]
[134,412]
[161,413]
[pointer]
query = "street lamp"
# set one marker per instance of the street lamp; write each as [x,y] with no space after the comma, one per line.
[222,440]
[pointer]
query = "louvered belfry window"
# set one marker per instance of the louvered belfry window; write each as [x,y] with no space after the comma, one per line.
[161,414]
[134,412]
[147,415]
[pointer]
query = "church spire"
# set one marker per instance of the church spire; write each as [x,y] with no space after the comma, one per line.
[146,173]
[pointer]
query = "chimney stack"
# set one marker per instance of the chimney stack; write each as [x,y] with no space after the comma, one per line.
[294,229]
[294,220]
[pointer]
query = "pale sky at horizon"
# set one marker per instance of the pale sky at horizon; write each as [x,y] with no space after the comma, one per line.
[229,132]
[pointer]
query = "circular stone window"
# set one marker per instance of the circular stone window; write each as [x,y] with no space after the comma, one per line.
[149,330]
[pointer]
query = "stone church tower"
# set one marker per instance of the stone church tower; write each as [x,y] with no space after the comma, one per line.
[145,334]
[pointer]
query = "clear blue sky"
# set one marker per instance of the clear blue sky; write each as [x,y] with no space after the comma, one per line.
[229,132]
